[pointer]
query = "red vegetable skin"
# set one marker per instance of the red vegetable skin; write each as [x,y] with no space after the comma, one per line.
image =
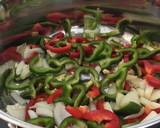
[100,104]
[10,54]
[112,121]
[57,37]
[77,112]
[41,97]
[54,96]
[74,54]
[77,39]
[153,81]
[88,50]
[127,87]
[59,50]
[94,92]
[50,45]
[156,57]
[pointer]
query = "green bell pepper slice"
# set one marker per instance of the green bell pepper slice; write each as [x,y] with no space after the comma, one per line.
[105,63]
[76,78]
[39,69]
[120,28]
[12,84]
[130,108]
[48,122]
[68,91]
[134,57]
[100,46]
[71,120]
[118,77]
[144,53]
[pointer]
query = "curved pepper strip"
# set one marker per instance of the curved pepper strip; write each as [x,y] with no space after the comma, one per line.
[48,122]
[134,42]
[105,63]
[79,53]
[100,45]
[120,28]
[107,51]
[134,57]
[57,93]
[29,92]
[61,62]
[118,77]
[67,27]
[71,120]
[50,80]
[3,77]
[144,53]
[34,89]
[41,70]
[76,78]
[47,85]
[116,44]
[95,115]
[68,90]
[10,82]
[59,50]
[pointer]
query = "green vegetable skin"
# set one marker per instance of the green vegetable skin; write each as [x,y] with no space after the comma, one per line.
[59,79]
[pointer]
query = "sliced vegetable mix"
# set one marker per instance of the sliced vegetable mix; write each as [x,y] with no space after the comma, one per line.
[90,79]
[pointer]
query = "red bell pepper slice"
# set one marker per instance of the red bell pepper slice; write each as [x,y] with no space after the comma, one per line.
[112,121]
[57,37]
[10,54]
[94,92]
[156,68]
[153,81]
[56,16]
[32,102]
[127,87]
[59,50]
[77,39]
[54,96]
[148,67]
[74,54]
[77,112]
[156,57]
[100,104]
[88,50]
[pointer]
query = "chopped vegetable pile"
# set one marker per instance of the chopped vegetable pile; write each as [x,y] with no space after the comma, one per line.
[91,79]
